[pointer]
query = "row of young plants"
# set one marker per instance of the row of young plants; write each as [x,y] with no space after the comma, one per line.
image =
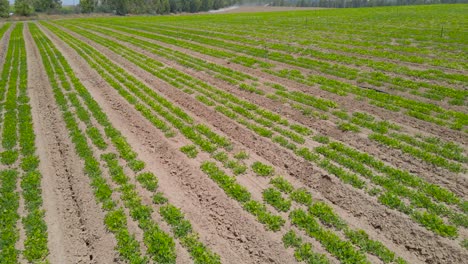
[115,218]
[347,59]
[159,245]
[424,111]
[21,177]
[328,165]
[318,103]
[304,152]
[191,85]
[297,96]
[283,194]
[348,40]
[433,74]
[229,75]
[399,185]
[9,197]
[172,115]
[227,183]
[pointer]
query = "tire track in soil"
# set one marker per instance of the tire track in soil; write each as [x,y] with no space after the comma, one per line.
[396,226]
[75,222]
[223,225]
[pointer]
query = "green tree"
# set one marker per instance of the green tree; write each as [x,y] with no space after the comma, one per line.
[121,7]
[195,5]
[206,5]
[4,8]
[24,7]
[46,5]
[86,6]
[165,7]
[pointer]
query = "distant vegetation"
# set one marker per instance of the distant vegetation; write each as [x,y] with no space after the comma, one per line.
[123,7]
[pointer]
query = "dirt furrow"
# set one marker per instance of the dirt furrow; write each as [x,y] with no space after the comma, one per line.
[395,226]
[75,221]
[223,225]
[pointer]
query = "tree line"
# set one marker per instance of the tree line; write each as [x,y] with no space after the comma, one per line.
[123,7]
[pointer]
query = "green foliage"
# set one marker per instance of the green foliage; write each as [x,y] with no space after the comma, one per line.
[227,183]
[160,245]
[242,155]
[24,7]
[376,248]
[275,199]
[262,169]
[291,239]
[305,253]
[86,6]
[282,184]
[436,224]
[326,215]
[464,243]
[4,8]
[348,127]
[273,222]
[190,150]
[148,180]
[9,157]
[159,198]
[343,250]
[321,139]
[301,196]
[174,217]
[30,163]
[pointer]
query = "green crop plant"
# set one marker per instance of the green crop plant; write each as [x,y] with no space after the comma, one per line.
[274,198]
[343,250]
[148,180]
[190,150]
[262,169]
[301,196]
[282,184]
[241,155]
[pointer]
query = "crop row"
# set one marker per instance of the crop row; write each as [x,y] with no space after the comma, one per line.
[18,142]
[336,38]
[230,185]
[187,83]
[264,129]
[361,120]
[159,244]
[324,56]
[420,110]
[317,58]
[227,183]
[328,218]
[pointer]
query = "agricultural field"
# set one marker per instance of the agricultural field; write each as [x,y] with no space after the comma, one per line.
[310,136]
